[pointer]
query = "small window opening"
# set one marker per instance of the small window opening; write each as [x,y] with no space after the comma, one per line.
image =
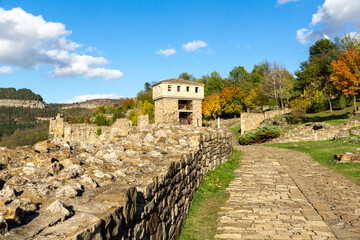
[187,88]
[196,89]
[178,88]
[169,88]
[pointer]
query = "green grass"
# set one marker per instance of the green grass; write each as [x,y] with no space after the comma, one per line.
[235,127]
[203,215]
[323,152]
[334,118]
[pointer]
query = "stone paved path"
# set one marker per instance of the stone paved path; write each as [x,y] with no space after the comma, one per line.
[282,194]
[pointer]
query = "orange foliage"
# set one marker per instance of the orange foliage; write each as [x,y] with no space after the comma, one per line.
[211,105]
[346,75]
[232,100]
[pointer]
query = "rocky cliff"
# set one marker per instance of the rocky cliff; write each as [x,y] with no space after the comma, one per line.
[90,104]
[21,103]
[137,187]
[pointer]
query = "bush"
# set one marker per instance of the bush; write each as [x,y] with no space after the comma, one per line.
[98,131]
[273,102]
[298,110]
[318,102]
[101,120]
[133,115]
[342,102]
[259,135]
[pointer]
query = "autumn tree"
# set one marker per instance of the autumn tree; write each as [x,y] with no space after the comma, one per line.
[256,98]
[211,106]
[346,75]
[232,100]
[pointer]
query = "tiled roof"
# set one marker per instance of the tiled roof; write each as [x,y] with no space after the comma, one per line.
[179,81]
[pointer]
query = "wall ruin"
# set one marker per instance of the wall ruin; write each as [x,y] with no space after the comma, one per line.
[251,121]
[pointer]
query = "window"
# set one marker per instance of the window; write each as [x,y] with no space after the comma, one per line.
[169,88]
[196,89]
[178,88]
[187,88]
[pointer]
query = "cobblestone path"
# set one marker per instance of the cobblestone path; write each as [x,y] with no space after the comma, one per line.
[282,194]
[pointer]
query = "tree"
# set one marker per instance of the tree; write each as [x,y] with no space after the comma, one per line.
[232,100]
[349,41]
[211,106]
[146,94]
[214,84]
[187,76]
[278,83]
[317,70]
[346,75]
[256,98]
[238,76]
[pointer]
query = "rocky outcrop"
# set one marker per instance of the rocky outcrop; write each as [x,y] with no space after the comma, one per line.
[21,103]
[90,104]
[135,187]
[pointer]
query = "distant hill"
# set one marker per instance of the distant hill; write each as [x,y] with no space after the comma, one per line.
[21,94]
[94,103]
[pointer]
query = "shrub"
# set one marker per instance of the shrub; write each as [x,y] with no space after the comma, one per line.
[101,120]
[273,102]
[133,115]
[318,102]
[98,131]
[259,135]
[342,102]
[298,110]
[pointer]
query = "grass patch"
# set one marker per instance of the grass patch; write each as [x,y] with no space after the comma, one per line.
[259,135]
[204,211]
[235,127]
[323,152]
[335,118]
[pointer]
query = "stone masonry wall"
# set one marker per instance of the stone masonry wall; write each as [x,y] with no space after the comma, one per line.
[316,132]
[137,187]
[21,103]
[166,111]
[163,205]
[251,121]
[197,117]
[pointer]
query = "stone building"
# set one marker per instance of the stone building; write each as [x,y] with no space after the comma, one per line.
[178,101]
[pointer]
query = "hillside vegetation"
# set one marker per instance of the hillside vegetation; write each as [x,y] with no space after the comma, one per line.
[21,94]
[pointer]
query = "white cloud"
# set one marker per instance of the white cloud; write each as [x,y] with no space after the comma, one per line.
[333,17]
[280,2]
[166,52]
[90,49]
[192,46]
[83,98]
[29,41]
[6,70]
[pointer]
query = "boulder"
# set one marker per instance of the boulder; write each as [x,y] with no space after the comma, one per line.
[45,147]
[12,214]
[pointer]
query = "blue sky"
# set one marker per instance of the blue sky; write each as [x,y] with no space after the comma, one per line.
[75,50]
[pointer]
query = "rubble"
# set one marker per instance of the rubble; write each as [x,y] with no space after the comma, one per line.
[136,187]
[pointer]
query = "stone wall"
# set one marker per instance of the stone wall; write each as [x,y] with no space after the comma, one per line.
[251,121]
[166,111]
[21,103]
[88,132]
[316,132]
[163,205]
[138,187]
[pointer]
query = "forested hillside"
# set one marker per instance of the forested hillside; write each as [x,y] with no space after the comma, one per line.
[21,94]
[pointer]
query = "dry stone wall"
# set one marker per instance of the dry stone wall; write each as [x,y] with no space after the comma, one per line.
[251,121]
[316,132]
[21,103]
[134,187]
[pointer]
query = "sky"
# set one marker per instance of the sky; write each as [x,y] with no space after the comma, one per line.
[71,51]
